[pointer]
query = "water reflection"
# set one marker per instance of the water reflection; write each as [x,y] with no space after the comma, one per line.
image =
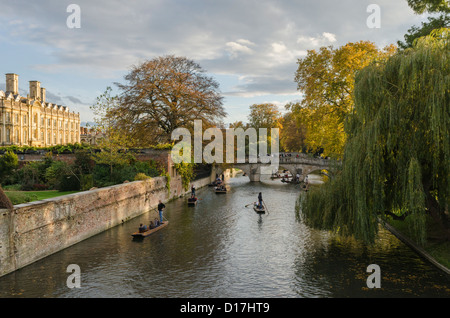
[220,248]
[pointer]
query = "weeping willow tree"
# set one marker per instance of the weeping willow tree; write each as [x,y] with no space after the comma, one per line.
[397,157]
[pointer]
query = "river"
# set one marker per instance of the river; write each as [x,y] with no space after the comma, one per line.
[220,248]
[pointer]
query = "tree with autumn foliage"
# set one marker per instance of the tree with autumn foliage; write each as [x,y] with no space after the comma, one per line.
[264,115]
[292,134]
[326,79]
[163,94]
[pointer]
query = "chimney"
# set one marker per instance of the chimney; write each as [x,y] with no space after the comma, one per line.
[35,90]
[43,95]
[12,83]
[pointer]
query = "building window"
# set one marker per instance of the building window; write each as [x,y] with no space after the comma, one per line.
[24,119]
[17,119]
[8,118]
[42,135]
[54,138]
[49,136]
[8,135]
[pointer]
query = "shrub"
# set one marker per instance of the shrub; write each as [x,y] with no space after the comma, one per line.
[12,187]
[141,176]
[21,197]
[55,172]
[87,181]
[69,183]
[40,187]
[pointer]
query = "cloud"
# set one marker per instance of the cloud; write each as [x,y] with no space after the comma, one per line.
[241,46]
[312,42]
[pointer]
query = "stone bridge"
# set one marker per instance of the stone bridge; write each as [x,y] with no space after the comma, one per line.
[296,163]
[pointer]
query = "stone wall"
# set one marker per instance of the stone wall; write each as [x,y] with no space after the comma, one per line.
[35,230]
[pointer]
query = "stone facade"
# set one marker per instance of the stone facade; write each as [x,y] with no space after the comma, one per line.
[90,136]
[31,120]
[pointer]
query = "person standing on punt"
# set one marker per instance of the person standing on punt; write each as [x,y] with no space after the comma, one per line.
[260,200]
[161,207]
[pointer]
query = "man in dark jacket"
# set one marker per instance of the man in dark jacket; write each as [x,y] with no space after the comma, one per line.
[161,207]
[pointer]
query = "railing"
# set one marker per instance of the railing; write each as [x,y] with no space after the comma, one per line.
[291,158]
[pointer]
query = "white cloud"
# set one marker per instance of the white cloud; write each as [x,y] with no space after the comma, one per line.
[329,36]
[238,47]
[311,42]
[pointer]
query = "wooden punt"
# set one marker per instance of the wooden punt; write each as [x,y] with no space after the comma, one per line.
[217,190]
[259,210]
[192,202]
[149,232]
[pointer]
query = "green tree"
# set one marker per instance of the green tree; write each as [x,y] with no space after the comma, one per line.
[443,21]
[397,156]
[113,143]
[55,173]
[8,163]
[431,6]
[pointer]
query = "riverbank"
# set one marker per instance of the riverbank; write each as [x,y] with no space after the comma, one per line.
[35,230]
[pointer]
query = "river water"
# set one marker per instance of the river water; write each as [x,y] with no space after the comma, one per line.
[220,248]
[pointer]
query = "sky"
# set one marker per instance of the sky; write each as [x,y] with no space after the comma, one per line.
[250,47]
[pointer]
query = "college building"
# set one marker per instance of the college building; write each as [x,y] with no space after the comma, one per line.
[31,120]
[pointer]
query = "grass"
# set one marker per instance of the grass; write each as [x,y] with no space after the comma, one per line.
[18,197]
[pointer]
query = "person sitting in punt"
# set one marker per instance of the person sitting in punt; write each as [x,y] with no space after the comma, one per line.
[157,223]
[151,225]
[142,228]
